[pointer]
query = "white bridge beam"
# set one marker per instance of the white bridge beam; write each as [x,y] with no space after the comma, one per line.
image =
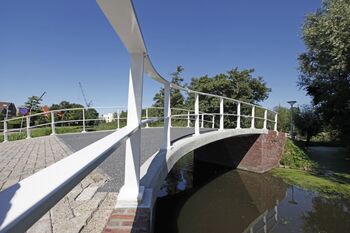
[131,193]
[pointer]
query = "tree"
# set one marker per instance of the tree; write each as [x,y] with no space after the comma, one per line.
[308,122]
[283,118]
[176,98]
[235,84]
[33,103]
[325,66]
[75,114]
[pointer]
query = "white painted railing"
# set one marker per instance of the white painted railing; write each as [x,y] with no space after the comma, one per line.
[25,202]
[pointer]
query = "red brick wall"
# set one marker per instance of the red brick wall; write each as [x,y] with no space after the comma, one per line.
[257,153]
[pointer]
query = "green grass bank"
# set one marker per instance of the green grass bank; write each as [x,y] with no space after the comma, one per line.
[322,169]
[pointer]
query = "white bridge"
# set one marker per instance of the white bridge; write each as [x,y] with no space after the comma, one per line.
[22,204]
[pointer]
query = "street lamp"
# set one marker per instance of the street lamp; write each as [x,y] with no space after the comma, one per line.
[292,102]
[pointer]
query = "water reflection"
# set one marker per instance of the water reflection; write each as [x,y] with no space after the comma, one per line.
[199,198]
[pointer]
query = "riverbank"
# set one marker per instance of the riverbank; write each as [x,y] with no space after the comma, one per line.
[322,169]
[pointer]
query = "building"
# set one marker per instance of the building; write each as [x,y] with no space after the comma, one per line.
[109,117]
[12,111]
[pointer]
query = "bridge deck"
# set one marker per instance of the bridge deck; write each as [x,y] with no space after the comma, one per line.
[84,209]
[113,166]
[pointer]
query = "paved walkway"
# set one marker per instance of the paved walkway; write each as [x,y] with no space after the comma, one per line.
[81,210]
[88,206]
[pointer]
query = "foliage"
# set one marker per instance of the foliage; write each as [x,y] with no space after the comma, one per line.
[308,122]
[33,103]
[74,114]
[325,66]
[234,84]
[283,118]
[176,98]
[294,157]
[325,184]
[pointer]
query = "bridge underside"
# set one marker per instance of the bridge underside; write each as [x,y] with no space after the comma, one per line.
[256,150]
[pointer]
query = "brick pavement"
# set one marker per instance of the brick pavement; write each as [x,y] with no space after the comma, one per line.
[84,209]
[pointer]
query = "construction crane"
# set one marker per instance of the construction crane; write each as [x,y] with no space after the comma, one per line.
[88,104]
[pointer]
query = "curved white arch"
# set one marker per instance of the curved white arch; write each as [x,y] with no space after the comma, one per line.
[157,167]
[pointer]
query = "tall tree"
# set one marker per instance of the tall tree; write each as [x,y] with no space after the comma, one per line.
[236,84]
[283,120]
[308,122]
[325,66]
[33,103]
[176,98]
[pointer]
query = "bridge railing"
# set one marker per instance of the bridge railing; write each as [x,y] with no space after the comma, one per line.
[62,120]
[25,202]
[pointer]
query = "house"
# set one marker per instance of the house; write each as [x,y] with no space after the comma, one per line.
[12,111]
[109,117]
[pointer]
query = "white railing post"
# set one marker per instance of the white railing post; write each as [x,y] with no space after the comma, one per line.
[169,114]
[265,119]
[167,117]
[213,121]
[238,115]
[5,131]
[275,125]
[147,117]
[202,122]
[188,119]
[221,114]
[53,128]
[131,192]
[84,129]
[28,126]
[196,113]
[118,119]
[253,117]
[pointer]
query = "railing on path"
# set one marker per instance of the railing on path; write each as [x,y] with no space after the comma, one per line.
[25,202]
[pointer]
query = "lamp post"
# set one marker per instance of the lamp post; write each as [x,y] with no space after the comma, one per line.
[292,102]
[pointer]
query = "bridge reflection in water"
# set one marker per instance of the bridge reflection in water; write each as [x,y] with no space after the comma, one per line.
[202,197]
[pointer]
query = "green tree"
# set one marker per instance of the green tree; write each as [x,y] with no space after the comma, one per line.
[308,122]
[176,98]
[325,66]
[90,113]
[33,103]
[283,118]
[235,84]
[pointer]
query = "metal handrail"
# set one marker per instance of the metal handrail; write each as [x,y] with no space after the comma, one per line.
[25,202]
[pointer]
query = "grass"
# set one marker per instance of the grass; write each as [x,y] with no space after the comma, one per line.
[318,172]
[327,184]
[295,157]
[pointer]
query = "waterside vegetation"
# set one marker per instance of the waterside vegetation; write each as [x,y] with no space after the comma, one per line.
[326,173]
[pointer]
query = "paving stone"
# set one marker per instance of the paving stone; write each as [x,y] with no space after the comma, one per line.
[87,194]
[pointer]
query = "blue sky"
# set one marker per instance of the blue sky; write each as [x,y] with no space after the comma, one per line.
[52,45]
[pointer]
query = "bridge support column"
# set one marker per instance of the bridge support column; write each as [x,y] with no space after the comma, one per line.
[53,128]
[202,122]
[5,131]
[130,194]
[84,128]
[238,115]
[147,126]
[253,118]
[28,127]
[265,119]
[167,117]
[221,113]
[188,119]
[275,125]
[196,113]
[118,119]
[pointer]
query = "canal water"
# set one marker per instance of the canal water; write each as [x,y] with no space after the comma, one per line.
[203,198]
